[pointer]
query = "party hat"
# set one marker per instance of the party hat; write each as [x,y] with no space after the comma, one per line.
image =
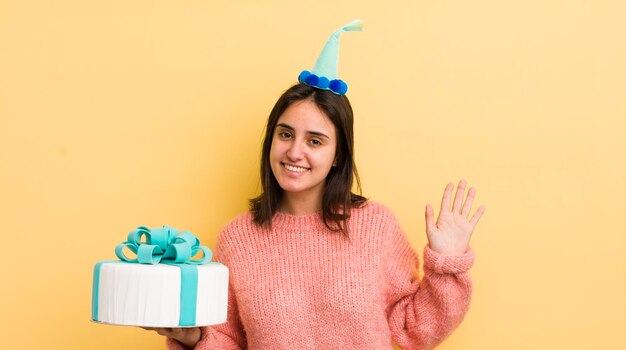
[324,74]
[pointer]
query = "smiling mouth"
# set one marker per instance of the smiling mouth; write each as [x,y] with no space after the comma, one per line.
[294,168]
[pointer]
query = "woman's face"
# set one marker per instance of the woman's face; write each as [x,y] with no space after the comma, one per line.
[303,149]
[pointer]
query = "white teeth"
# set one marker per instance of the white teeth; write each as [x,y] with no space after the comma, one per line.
[295,168]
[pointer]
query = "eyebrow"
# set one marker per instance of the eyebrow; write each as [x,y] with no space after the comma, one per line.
[315,133]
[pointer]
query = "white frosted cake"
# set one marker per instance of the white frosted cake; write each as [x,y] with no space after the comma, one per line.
[150,295]
[169,294]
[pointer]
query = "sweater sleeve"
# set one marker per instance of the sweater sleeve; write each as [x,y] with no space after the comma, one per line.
[226,336]
[423,313]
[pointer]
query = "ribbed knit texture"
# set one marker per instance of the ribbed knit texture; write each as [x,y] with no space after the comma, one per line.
[302,286]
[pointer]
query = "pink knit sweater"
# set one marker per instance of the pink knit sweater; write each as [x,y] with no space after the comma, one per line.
[302,286]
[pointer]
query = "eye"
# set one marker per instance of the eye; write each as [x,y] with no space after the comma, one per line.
[284,134]
[315,142]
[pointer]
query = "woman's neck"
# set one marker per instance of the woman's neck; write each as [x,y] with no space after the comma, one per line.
[300,204]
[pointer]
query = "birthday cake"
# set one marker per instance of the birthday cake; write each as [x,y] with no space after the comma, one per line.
[164,286]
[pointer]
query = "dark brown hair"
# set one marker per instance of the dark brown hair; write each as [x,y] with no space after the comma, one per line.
[338,198]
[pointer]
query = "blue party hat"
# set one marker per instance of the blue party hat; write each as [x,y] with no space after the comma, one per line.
[324,74]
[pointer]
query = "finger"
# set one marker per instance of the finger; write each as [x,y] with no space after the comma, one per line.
[477,215]
[430,219]
[162,331]
[458,197]
[166,332]
[445,201]
[467,206]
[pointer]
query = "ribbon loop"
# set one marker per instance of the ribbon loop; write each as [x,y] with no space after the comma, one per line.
[119,251]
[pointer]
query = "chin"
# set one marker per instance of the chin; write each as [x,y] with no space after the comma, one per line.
[290,188]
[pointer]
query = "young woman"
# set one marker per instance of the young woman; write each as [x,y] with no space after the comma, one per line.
[315,266]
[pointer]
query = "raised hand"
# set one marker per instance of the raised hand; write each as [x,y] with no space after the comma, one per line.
[451,234]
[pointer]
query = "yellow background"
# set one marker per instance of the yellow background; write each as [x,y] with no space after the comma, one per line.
[115,114]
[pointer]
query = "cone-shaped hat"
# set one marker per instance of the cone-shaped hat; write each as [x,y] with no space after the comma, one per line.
[324,74]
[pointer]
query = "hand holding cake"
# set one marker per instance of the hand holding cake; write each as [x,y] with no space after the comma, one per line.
[188,337]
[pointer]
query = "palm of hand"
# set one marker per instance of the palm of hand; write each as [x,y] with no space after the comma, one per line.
[451,233]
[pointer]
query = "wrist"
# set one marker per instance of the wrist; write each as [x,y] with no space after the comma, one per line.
[447,264]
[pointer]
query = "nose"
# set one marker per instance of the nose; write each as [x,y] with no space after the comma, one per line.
[295,151]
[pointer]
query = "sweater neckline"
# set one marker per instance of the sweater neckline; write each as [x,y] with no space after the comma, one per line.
[282,220]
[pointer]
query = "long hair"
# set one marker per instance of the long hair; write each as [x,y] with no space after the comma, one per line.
[338,197]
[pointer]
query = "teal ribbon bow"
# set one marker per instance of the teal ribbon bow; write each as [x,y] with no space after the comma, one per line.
[163,245]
